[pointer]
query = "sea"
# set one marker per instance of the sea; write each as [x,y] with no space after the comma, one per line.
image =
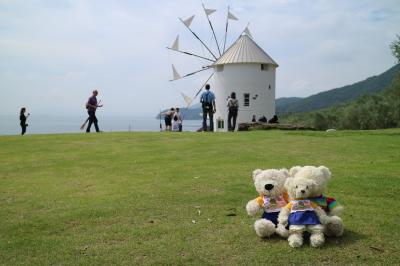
[57,124]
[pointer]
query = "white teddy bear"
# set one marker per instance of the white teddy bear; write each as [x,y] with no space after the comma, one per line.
[272,197]
[321,176]
[301,214]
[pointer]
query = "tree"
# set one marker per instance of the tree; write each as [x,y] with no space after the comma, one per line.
[320,122]
[395,46]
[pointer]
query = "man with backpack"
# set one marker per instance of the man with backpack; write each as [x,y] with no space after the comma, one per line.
[207,100]
[233,108]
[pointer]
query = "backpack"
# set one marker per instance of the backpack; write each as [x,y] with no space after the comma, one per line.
[234,107]
[206,104]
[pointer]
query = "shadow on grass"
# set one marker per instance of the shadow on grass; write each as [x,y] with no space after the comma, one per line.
[348,238]
[272,239]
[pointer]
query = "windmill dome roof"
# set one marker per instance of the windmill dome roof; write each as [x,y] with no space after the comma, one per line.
[245,50]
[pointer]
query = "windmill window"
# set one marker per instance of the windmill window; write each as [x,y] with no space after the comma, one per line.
[246,99]
[220,68]
[220,123]
[264,67]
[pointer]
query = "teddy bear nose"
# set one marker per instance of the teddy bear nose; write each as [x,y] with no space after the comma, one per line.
[269,186]
[303,191]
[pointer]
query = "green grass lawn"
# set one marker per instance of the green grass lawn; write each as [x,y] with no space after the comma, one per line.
[171,198]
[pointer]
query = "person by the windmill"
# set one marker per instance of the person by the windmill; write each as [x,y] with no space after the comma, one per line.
[207,100]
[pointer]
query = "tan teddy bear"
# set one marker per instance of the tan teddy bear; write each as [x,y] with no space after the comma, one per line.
[272,197]
[321,176]
[301,214]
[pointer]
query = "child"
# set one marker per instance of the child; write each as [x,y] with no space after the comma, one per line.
[175,124]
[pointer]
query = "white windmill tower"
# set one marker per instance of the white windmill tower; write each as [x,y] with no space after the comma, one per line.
[244,68]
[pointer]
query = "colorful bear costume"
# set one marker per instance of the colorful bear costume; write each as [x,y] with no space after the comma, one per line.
[321,176]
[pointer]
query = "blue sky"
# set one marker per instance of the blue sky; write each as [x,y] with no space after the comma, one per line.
[54,53]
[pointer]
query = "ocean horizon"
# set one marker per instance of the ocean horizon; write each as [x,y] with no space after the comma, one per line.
[57,124]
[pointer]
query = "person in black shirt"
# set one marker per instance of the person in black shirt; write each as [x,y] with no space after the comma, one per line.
[22,119]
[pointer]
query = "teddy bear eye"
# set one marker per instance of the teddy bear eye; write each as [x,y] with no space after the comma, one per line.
[306,187]
[296,187]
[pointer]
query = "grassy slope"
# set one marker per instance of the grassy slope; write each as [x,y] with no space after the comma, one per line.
[128,198]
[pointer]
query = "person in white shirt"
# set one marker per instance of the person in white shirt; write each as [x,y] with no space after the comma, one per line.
[175,124]
[179,117]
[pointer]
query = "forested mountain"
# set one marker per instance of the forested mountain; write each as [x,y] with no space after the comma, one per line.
[371,111]
[336,96]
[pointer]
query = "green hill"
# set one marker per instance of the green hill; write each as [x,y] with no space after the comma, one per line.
[370,111]
[337,96]
[284,102]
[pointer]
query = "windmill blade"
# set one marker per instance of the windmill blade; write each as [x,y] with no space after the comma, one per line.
[247,31]
[188,21]
[185,22]
[175,73]
[187,100]
[230,16]
[187,53]
[204,84]
[207,11]
[175,45]
[177,76]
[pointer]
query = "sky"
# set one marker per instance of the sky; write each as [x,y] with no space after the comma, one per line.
[54,53]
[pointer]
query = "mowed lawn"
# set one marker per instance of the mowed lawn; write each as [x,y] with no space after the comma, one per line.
[179,198]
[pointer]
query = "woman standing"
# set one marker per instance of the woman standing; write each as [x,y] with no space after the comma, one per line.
[233,108]
[22,119]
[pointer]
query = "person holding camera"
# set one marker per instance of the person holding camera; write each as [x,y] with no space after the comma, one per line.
[22,118]
[207,100]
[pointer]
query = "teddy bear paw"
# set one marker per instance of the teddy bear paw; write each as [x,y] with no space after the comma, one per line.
[334,227]
[264,228]
[317,240]
[295,240]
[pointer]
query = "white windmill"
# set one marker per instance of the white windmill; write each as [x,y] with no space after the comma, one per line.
[244,68]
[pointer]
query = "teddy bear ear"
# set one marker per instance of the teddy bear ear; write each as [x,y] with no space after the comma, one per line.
[288,183]
[326,172]
[285,172]
[255,173]
[294,170]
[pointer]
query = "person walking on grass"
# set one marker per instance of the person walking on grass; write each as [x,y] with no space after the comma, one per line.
[233,108]
[91,106]
[22,118]
[207,100]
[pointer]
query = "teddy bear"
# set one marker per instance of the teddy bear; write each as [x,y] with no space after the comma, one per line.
[321,175]
[301,214]
[272,197]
